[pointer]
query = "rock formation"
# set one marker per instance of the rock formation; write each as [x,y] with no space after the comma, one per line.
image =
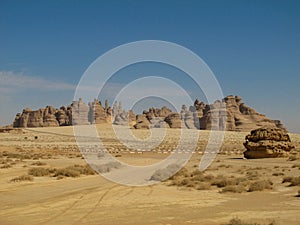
[99,114]
[173,120]
[229,113]
[80,113]
[232,114]
[142,122]
[267,143]
[64,116]
[125,119]
[36,118]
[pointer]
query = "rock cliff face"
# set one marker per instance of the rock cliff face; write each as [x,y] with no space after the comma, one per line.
[99,114]
[267,143]
[39,118]
[229,113]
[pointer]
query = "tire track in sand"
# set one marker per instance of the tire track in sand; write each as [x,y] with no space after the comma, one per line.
[97,204]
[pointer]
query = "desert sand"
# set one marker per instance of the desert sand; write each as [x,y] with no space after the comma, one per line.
[91,199]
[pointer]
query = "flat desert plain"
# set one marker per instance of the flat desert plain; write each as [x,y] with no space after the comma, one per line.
[45,180]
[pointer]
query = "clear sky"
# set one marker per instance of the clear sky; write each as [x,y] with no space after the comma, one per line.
[252,47]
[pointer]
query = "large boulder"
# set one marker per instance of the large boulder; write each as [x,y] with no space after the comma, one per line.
[267,142]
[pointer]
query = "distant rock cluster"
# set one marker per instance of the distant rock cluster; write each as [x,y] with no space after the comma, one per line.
[267,143]
[229,113]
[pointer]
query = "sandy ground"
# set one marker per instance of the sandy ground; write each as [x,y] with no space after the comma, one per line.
[91,199]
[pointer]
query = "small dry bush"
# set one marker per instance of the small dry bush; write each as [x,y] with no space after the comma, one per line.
[234,189]
[39,171]
[296,166]
[222,181]
[277,174]
[237,221]
[5,166]
[22,178]
[260,185]
[73,171]
[293,158]
[203,186]
[66,172]
[294,181]
[85,170]
[38,163]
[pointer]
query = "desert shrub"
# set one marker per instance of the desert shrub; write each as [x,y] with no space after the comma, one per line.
[39,172]
[200,176]
[6,166]
[252,175]
[59,177]
[237,221]
[234,189]
[38,163]
[225,166]
[163,174]
[277,174]
[296,166]
[105,168]
[85,170]
[22,178]
[203,186]
[294,181]
[287,179]
[260,185]
[221,181]
[67,172]
[292,158]
[181,173]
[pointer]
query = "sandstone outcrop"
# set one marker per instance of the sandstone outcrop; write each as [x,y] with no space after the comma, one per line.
[232,114]
[36,118]
[125,119]
[229,113]
[99,114]
[267,142]
[80,113]
[173,120]
[64,116]
[142,122]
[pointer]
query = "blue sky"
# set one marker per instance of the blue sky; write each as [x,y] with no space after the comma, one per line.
[252,47]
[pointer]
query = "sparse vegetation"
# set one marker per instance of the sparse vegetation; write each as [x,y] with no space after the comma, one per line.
[5,166]
[234,188]
[293,158]
[237,221]
[294,181]
[74,171]
[22,178]
[39,171]
[260,185]
[277,174]
[38,163]
[70,171]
